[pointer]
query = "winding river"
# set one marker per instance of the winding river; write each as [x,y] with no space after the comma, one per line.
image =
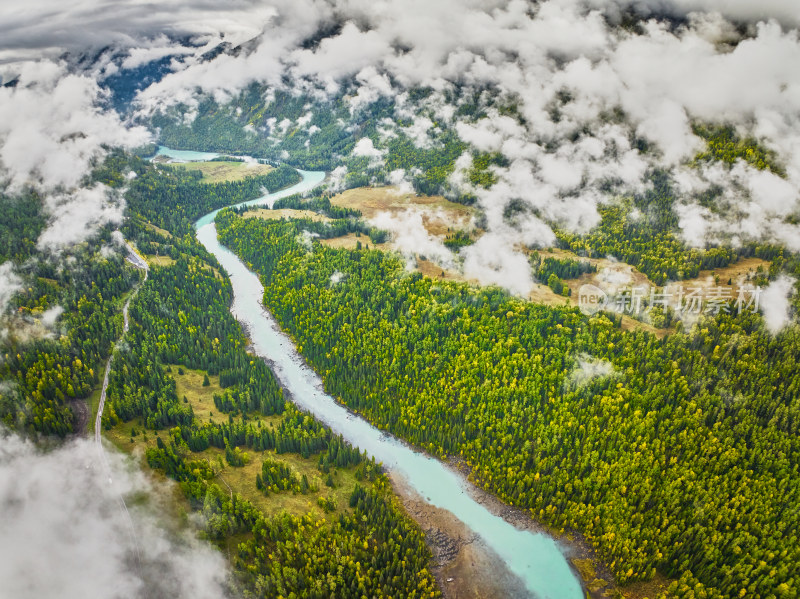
[536,559]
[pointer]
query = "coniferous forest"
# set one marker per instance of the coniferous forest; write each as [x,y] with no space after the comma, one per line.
[686,472]
[181,317]
[465,378]
[679,461]
[180,320]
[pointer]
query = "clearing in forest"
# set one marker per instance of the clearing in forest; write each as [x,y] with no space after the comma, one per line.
[134,438]
[217,171]
[440,216]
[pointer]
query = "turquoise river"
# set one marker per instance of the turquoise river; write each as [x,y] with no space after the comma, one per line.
[536,559]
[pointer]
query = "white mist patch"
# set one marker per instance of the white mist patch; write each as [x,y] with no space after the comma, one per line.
[775,305]
[336,178]
[138,57]
[418,131]
[492,261]
[50,316]
[249,161]
[108,251]
[77,215]
[48,27]
[52,127]
[588,368]
[372,85]
[578,97]
[51,132]
[616,275]
[24,328]
[365,148]
[305,239]
[10,283]
[400,183]
[784,10]
[63,533]
[411,238]
[756,206]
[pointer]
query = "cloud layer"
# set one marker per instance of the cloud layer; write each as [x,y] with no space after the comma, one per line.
[52,129]
[584,109]
[63,533]
[569,72]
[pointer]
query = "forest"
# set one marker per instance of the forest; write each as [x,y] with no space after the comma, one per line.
[46,367]
[52,368]
[371,548]
[360,545]
[181,317]
[726,146]
[21,222]
[650,242]
[647,147]
[680,460]
[326,138]
[188,198]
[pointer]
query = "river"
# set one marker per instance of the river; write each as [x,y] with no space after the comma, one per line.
[536,559]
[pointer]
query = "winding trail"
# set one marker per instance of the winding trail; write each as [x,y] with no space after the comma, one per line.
[134,259]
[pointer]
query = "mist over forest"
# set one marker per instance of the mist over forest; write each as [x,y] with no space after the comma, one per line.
[488,165]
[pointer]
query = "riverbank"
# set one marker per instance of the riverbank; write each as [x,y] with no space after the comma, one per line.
[460,557]
[595,576]
[535,560]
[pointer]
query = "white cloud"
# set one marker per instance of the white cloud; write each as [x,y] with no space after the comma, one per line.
[559,172]
[51,127]
[615,276]
[588,368]
[401,185]
[10,283]
[336,178]
[50,28]
[77,215]
[50,316]
[784,10]
[371,86]
[343,55]
[775,305]
[51,131]
[304,120]
[558,62]
[753,204]
[695,222]
[492,261]
[774,195]
[418,131]
[141,56]
[63,533]
[305,238]
[365,148]
[411,238]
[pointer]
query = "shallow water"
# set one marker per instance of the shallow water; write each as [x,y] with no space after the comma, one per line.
[535,558]
[185,155]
